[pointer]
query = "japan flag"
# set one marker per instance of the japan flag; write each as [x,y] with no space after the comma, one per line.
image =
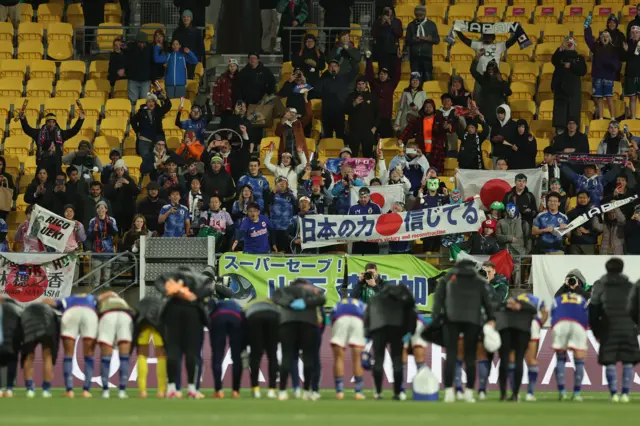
[384,196]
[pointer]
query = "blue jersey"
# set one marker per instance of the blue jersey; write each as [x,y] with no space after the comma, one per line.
[369,208]
[546,219]
[256,235]
[175,226]
[533,301]
[77,300]
[225,307]
[570,307]
[348,307]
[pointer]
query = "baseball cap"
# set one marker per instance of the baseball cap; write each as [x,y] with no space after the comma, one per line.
[364,191]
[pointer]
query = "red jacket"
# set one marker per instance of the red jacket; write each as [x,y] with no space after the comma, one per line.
[384,91]
[222,92]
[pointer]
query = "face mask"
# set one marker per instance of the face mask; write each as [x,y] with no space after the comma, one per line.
[512,211]
[433,184]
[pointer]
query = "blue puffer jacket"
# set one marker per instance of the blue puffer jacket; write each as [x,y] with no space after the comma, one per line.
[259,184]
[282,210]
[176,74]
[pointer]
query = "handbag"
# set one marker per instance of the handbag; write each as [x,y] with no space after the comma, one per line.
[260,115]
[6,196]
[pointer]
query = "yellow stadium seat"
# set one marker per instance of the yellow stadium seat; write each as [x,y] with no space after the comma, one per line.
[60,31]
[437,13]
[60,50]
[93,107]
[435,88]
[542,128]
[33,107]
[495,3]
[112,13]
[463,69]
[6,32]
[618,108]
[120,90]
[597,128]
[517,55]
[49,13]
[525,71]
[61,107]
[534,32]
[30,31]
[103,145]
[442,71]
[175,104]
[545,111]
[41,88]
[461,52]
[42,69]
[544,52]
[151,28]
[440,52]
[99,70]
[460,12]
[593,144]
[129,146]
[10,87]
[113,128]
[601,12]
[575,13]
[198,72]
[75,15]
[15,128]
[523,109]
[88,130]
[97,89]
[628,13]
[555,33]
[171,130]
[544,91]
[73,70]
[118,108]
[30,50]
[6,50]
[549,14]
[133,163]
[634,126]
[491,13]
[547,71]
[520,13]
[106,35]
[522,91]
[68,89]
[330,147]
[18,146]
[25,11]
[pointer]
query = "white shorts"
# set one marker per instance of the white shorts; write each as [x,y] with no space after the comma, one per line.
[535,330]
[115,327]
[569,335]
[416,340]
[79,321]
[348,330]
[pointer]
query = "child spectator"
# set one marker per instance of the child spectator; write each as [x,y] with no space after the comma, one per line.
[606,67]
[483,242]
[176,74]
[217,220]
[190,38]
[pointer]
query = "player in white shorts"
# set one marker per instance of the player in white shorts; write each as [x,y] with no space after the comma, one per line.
[348,329]
[531,356]
[418,344]
[115,328]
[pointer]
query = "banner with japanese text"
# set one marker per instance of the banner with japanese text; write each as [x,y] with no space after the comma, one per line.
[399,269]
[327,230]
[29,277]
[254,276]
[53,230]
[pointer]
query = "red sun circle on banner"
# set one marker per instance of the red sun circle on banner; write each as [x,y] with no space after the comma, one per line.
[493,190]
[388,224]
[28,286]
[378,198]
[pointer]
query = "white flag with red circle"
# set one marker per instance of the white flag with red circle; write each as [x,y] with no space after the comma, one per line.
[492,185]
[384,195]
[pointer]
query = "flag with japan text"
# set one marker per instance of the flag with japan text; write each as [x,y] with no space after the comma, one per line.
[384,196]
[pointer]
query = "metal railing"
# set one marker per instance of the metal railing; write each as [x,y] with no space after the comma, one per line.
[325,37]
[362,13]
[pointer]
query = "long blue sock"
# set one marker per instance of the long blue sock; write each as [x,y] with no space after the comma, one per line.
[483,375]
[88,372]
[533,378]
[404,366]
[124,371]
[627,378]
[29,385]
[339,384]
[67,369]
[419,365]
[512,376]
[612,378]
[46,386]
[561,359]
[579,375]
[359,384]
[458,380]
[105,363]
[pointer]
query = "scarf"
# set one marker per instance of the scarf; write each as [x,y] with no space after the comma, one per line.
[421,32]
[160,157]
[598,159]
[45,135]
[490,28]
[101,235]
[480,163]
[192,204]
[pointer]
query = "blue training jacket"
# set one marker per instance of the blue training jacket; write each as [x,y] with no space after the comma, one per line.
[176,74]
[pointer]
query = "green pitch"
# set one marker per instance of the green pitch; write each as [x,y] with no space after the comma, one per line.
[595,410]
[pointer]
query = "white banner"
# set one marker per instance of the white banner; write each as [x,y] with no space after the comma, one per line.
[492,185]
[29,277]
[51,229]
[327,230]
[594,211]
[384,196]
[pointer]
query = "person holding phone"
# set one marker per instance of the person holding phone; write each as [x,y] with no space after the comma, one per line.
[175,216]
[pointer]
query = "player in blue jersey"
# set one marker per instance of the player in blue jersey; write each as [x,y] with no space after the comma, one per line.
[226,319]
[348,329]
[531,356]
[569,322]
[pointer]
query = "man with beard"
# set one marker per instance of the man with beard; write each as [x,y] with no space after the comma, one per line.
[429,133]
[566,83]
[150,207]
[363,111]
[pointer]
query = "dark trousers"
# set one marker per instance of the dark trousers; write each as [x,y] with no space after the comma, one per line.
[517,341]
[183,337]
[220,327]
[471,334]
[422,65]
[565,108]
[296,336]
[11,362]
[385,128]
[331,125]
[262,336]
[317,366]
[362,138]
[392,336]
[283,241]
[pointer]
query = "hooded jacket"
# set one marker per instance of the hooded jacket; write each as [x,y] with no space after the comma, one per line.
[581,289]
[176,65]
[525,156]
[312,297]
[613,234]
[414,169]
[495,92]
[470,155]
[392,306]
[606,59]
[510,235]
[506,128]
[310,61]
[415,130]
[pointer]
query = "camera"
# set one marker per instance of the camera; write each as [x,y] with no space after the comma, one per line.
[368,276]
[572,281]
[483,273]
[210,273]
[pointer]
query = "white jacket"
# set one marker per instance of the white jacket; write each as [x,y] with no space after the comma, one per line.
[288,172]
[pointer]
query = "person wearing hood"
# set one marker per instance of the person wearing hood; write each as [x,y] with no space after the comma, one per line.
[363,111]
[6,181]
[414,165]
[483,242]
[225,90]
[387,32]
[309,59]
[566,84]
[495,91]
[383,88]
[614,142]
[291,129]
[364,207]
[503,134]
[294,14]
[218,182]
[411,102]
[107,169]
[470,155]
[429,133]
[150,207]
[333,88]
[122,191]
[347,55]
[49,140]
[422,35]
[522,198]
[189,38]
[177,62]
[511,232]
[259,183]
[85,159]
[606,67]
[255,81]
[282,210]
[524,148]
[612,325]
[287,168]
[583,240]
[147,123]
[631,55]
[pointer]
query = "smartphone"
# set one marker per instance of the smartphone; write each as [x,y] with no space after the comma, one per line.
[411,151]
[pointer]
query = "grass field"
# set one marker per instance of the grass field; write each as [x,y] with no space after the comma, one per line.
[595,410]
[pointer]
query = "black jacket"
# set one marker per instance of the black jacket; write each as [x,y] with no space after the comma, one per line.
[337,13]
[196,282]
[461,295]
[334,90]
[394,306]
[363,116]
[508,131]
[358,290]
[611,323]
[495,92]
[565,82]
[147,123]
[139,62]
[45,199]
[11,328]
[191,38]
[197,7]
[253,83]
[43,138]
[150,209]
[40,323]
[580,288]
[149,161]
[420,48]
[313,298]
[525,156]
[123,200]
[587,239]
[516,320]
[221,184]
[578,141]
[309,59]
[633,305]
[525,202]
[480,244]
[117,61]
[470,155]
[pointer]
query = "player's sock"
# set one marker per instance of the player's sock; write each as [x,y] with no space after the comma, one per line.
[359,384]
[29,385]
[458,379]
[46,386]
[419,365]
[627,378]
[124,371]
[579,375]
[561,359]
[67,369]
[339,384]
[404,367]
[88,372]
[533,378]
[171,388]
[161,374]
[612,378]
[143,370]
[105,363]
[191,388]
[512,376]
[483,375]
[199,366]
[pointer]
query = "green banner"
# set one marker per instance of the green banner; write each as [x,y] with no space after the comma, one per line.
[255,276]
[398,269]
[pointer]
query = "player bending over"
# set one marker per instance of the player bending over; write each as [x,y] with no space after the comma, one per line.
[148,325]
[40,326]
